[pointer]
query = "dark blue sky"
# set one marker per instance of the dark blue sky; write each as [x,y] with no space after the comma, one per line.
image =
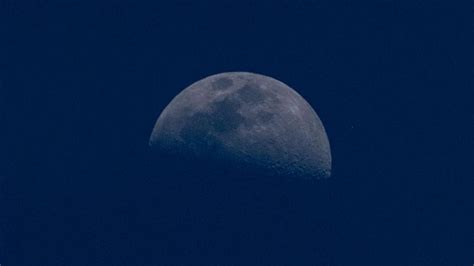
[81,85]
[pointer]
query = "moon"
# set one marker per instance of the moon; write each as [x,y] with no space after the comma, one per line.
[246,121]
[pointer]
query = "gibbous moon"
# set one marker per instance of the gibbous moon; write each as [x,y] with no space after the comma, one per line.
[245,121]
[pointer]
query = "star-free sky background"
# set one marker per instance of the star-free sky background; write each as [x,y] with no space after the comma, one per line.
[83,82]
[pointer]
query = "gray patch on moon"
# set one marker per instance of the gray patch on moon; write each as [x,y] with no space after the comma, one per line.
[222,83]
[250,94]
[223,116]
[265,117]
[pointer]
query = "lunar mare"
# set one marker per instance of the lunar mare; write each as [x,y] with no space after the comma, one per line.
[245,121]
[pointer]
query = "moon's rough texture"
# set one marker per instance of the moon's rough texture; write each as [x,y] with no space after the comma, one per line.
[246,121]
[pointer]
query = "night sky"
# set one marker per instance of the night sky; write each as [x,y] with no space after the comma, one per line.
[82,84]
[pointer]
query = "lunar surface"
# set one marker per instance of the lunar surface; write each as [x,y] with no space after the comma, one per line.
[245,121]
